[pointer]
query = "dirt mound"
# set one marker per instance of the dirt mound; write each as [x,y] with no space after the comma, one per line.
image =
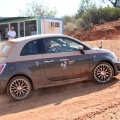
[109,30]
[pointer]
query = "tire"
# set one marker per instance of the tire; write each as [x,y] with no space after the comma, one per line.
[103,73]
[19,88]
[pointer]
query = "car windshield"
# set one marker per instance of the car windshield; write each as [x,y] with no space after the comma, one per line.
[6,47]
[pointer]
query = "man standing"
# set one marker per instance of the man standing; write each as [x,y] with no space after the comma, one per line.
[11,34]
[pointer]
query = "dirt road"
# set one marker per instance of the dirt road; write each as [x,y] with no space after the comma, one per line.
[79,101]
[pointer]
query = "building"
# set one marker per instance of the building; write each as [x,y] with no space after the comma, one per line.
[26,26]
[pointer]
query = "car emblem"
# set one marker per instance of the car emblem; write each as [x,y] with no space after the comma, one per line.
[64,65]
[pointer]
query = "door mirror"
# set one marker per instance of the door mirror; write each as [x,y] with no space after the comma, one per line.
[81,49]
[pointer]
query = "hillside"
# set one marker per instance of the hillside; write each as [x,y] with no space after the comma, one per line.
[109,30]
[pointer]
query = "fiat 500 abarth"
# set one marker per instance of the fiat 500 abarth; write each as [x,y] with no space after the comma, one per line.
[39,61]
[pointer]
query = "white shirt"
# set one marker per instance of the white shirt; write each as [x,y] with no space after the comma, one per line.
[12,34]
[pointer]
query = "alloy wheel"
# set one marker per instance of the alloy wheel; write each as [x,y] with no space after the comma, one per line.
[103,73]
[19,88]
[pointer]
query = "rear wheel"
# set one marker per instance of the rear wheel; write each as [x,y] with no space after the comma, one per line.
[19,88]
[103,72]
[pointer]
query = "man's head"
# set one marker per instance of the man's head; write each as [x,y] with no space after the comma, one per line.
[48,43]
[12,28]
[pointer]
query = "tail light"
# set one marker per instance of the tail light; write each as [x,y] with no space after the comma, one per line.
[2,66]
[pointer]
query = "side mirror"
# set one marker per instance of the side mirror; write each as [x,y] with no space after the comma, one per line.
[81,49]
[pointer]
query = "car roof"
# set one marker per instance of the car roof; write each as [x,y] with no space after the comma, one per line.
[30,38]
[24,40]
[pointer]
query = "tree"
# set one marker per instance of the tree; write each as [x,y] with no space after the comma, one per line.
[67,18]
[115,3]
[37,9]
[84,6]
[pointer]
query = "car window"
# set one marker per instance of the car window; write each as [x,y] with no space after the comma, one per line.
[76,44]
[6,47]
[69,45]
[51,45]
[55,45]
[31,48]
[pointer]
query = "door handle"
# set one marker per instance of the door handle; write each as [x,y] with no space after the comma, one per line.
[63,59]
[48,61]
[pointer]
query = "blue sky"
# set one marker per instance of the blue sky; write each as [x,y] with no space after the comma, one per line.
[10,8]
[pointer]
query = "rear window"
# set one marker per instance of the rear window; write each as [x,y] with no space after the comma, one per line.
[6,47]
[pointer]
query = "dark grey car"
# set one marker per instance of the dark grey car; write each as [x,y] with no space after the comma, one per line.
[40,61]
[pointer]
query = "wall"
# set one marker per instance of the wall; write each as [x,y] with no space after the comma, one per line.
[51,26]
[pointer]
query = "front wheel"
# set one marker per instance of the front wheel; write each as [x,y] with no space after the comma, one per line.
[19,88]
[103,73]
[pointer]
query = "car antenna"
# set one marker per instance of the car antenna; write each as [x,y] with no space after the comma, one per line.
[101,45]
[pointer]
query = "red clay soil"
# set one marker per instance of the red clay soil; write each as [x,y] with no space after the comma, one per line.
[108,30]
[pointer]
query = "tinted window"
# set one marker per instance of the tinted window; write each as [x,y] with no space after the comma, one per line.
[75,44]
[55,45]
[51,45]
[31,48]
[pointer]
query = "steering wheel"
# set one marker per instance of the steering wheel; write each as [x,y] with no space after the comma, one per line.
[57,48]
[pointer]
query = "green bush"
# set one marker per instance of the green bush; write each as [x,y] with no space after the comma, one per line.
[69,19]
[94,16]
[116,15]
[78,23]
[106,13]
[109,14]
[101,15]
[85,22]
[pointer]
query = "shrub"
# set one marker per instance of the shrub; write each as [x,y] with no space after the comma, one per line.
[78,23]
[101,15]
[102,21]
[94,16]
[86,23]
[70,27]
[109,14]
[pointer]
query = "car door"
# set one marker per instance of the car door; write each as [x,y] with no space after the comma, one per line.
[64,61]
[31,57]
